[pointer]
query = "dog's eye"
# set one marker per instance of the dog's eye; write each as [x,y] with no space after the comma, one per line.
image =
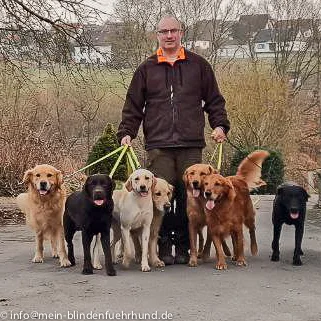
[192,173]
[206,184]
[158,194]
[49,175]
[217,184]
[38,175]
[136,179]
[147,178]
[203,174]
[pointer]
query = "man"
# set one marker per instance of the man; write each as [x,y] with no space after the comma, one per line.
[169,92]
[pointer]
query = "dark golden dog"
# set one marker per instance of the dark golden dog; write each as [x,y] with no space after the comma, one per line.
[193,178]
[228,206]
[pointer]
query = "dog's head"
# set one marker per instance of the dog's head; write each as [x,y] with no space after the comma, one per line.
[141,182]
[44,179]
[162,195]
[216,188]
[99,188]
[293,198]
[194,175]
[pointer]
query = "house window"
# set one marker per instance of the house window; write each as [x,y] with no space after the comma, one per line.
[260,46]
[272,46]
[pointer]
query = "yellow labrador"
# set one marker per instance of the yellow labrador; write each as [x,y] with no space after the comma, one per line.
[43,205]
[133,209]
[162,195]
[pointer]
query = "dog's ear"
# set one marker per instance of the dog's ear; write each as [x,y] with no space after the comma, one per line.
[231,191]
[27,176]
[154,183]
[212,170]
[185,179]
[129,185]
[59,178]
[85,187]
[171,189]
[279,190]
[306,195]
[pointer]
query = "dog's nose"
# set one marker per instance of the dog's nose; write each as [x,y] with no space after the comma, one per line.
[43,185]
[143,187]
[195,184]
[208,194]
[294,210]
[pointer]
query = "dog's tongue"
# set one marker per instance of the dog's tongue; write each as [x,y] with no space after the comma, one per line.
[196,192]
[295,215]
[143,194]
[99,202]
[210,204]
[43,192]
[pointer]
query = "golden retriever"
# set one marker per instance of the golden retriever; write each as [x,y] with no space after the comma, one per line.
[43,205]
[227,205]
[193,178]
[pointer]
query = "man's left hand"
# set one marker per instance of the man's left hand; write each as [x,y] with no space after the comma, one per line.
[218,135]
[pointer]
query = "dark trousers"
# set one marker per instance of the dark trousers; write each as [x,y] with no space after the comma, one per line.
[170,164]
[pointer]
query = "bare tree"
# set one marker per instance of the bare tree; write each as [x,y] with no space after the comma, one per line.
[41,31]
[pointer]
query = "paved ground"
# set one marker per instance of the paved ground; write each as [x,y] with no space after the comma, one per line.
[263,290]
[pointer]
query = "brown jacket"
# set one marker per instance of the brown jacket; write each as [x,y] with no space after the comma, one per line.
[168,99]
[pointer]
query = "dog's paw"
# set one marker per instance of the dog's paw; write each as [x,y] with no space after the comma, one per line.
[275,257]
[37,259]
[297,261]
[126,263]
[145,268]
[192,262]
[158,263]
[241,262]
[65,263]
[97,266]
[221,266]
[87,271]
[111,272]
[55,256]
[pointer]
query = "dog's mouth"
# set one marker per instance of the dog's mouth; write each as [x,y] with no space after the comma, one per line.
[196,192]
[294,215]
[210,204]
[43,191]
[143,193]
[99,202]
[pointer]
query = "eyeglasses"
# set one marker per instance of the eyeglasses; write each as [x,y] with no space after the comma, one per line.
[164,32]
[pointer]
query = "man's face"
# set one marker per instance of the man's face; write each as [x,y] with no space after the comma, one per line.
[169,34]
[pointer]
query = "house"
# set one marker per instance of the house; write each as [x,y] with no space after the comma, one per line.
[207,35]
[93,46]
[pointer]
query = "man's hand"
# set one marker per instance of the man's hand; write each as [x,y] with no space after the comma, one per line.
[126,140]
[218,135]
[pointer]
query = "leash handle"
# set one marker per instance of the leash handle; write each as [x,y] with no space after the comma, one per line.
[218,147]
[131,150]
[112,172]
[220,157]
[130,161]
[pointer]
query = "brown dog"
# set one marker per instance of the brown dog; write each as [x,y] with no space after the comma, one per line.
[228,206]
[44,205]
[193,179]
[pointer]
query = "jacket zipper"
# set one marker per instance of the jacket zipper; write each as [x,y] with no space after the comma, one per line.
[172,100]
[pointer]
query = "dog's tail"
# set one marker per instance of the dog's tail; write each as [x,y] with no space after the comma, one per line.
[250,168]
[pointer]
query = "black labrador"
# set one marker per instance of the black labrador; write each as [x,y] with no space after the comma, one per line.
[289,207]
[90,211]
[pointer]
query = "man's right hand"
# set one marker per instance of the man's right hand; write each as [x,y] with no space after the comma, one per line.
[126,140]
